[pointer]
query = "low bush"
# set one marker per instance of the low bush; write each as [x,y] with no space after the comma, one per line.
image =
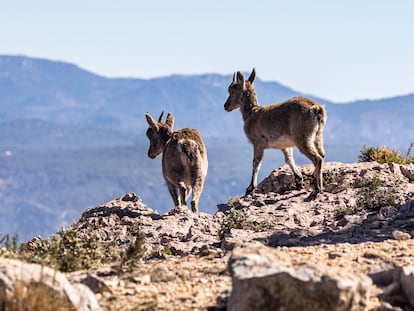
[380,154]
[385,155]
[68,250]
[373,197]
[238,219]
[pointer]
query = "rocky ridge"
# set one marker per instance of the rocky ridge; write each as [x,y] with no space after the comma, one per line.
[360,229]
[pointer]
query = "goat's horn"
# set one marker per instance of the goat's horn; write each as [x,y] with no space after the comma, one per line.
[160,118]
[234,77]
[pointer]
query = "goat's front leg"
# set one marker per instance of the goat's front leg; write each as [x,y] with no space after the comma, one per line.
[288,153]
[257,161]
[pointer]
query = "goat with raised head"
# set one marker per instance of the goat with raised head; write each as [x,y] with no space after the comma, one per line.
[298,121]
[184,159]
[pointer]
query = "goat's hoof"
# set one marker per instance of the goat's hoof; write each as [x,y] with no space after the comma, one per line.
[313,195]
[300,186]
[194,207]
[299,182]
[250,191]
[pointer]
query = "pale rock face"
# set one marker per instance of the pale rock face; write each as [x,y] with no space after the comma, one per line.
[337,215]
[264,280]
[282,214]
[407,282]
[14,272]
[180,231]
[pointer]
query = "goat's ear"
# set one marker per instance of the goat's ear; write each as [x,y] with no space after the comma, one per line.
[252,76]
[151,122]
[170,120]
[240,78]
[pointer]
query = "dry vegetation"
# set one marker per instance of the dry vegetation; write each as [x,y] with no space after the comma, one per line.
[385,155]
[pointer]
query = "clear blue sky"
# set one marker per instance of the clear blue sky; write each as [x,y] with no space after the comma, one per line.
[338,50]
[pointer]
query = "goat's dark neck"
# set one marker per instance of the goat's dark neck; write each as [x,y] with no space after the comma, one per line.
[165,137]
[249,103]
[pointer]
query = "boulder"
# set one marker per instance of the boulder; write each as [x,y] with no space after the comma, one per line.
[266,280]
[15,273]
[407,283]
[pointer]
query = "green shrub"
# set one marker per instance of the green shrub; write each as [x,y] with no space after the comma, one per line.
[135,250]
[373,197]
[238,219]
[68,250]
[380,154]
[385,155]
[340,212]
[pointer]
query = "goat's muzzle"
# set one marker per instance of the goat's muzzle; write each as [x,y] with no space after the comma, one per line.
[227,105]
[229,108]
[152,155]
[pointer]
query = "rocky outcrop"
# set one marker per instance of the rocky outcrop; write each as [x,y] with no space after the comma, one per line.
[178,232]
[17,276]
[277,279]
[348,249]
[396,284]
[276,215]
[361,202]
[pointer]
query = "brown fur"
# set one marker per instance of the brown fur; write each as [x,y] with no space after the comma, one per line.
[298,121]
[184,160]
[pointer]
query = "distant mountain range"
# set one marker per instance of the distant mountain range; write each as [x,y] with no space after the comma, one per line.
[65,94]
[71,139]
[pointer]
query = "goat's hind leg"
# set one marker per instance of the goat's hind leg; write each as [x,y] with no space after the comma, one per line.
[288,153]
[197,181]
[318,141]
[174,192]
[310,151]
[183,193]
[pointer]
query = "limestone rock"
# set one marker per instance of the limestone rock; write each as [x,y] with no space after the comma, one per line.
[400,236]
[333,216]
[91,280]
[180,231]
[407,283]
[263,281]
[14,272]
[408,171]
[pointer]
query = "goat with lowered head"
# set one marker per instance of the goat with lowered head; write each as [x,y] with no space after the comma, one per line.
[298,121]
[184,159]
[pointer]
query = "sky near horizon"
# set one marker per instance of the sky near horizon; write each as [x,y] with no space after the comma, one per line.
[337,50]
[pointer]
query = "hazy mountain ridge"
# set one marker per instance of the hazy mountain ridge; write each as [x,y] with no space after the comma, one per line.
[64,93]
[34,135]
[75,139]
